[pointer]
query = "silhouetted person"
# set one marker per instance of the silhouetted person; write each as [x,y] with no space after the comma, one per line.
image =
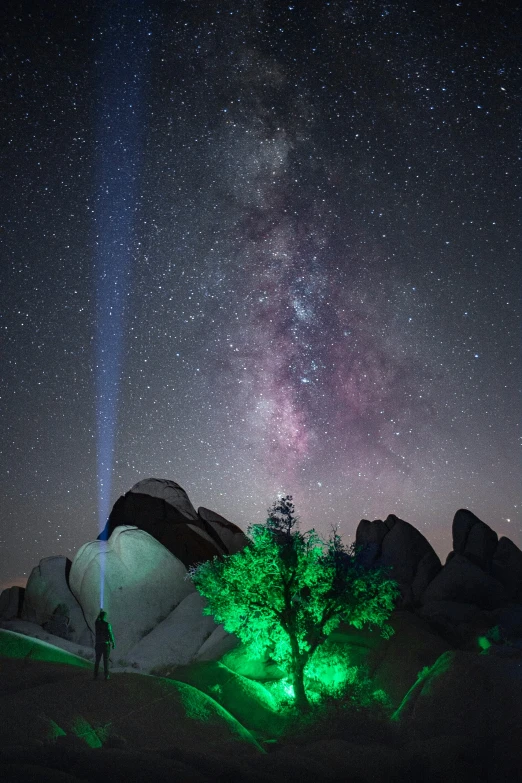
[103,642]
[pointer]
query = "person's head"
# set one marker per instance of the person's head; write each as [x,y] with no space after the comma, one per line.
[102,615]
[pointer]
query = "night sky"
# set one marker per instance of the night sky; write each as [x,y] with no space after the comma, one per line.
[264,247]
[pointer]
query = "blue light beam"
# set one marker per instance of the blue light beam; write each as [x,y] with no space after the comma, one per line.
[119,73]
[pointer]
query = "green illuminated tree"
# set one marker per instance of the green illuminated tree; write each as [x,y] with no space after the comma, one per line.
[286,592]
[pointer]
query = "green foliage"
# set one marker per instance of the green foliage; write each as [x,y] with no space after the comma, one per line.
[329,672]
[329,675]
[286,592]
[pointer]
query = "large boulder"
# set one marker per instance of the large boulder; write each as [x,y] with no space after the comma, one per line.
[142,583]
[47,597]
[479,696]
[32,632]
[11,602]
[369,537]
[509,621]
[241,661]
[460,624]
[176,640]
[473,539]
[230,536]
[247,700]
[218,643]
[462,581]
[399,546]
[162,509]
[395,663]
[455,759]
[168,491]
[506,566]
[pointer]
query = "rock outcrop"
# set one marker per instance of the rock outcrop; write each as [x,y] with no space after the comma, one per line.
[144,577]
[218,643]
[241,661]
[460,624]
[395,663]
[481,570]
[142,583]
[466,693]
[176,640]
[147,712]
[451,670]
[399,546]
[461,600]
[473,539]
[162,509]
[19,641]
[11,602]
[231,538]
[506,567]
[47,597]
[33,631]
[244,698]
[462,581]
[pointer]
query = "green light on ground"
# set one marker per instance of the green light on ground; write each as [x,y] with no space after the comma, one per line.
[55,731]
[484,643]
[92,737]
[17,645]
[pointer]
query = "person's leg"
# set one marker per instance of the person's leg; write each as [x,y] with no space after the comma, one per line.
[98,655]
[106,652]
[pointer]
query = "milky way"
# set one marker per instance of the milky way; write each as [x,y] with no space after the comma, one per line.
[322,276]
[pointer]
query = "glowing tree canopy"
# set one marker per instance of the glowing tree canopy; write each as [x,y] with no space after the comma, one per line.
[286,592]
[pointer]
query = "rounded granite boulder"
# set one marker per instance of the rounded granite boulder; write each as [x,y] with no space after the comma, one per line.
[141,580]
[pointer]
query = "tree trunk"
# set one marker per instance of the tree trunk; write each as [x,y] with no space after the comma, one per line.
[301,699]
[298,664]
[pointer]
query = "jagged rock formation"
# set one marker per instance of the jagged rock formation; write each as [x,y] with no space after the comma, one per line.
[473,539]
[163,509]
[143,582]
[481,570]
[462,581]
[470,594]
[506,567]
[399,546]
[157,616]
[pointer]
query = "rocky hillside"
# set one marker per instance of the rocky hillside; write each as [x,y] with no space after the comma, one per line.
[451,674]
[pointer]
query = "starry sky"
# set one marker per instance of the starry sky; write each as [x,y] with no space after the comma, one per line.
[258,247]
